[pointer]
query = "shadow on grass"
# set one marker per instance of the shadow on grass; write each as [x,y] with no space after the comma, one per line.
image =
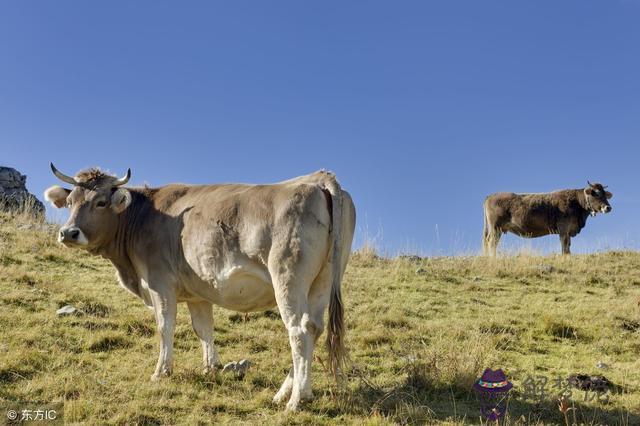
[411,404]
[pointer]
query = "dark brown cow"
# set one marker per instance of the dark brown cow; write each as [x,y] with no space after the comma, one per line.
[535,215]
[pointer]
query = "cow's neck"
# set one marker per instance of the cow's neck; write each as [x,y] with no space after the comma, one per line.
[121,248]
[582,200]
[120,244]
[584,204]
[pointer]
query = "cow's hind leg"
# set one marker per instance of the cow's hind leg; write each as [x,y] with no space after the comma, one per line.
[317,302]
[492,241]
[294,310]
[202,322]
[292,278]
[485,242]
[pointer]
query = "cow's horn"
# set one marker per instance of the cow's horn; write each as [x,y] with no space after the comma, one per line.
[123,179]
[590,184]
[63,177]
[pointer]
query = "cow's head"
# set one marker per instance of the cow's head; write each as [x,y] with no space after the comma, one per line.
[597,198]
[95,201]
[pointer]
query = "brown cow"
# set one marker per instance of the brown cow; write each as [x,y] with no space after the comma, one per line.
[242,247]
[535,215]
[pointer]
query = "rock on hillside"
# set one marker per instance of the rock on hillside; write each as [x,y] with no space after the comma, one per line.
[14,196]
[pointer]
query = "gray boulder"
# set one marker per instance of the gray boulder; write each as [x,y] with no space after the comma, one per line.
[14,196]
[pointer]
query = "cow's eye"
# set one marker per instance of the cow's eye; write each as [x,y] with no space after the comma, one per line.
[101,204]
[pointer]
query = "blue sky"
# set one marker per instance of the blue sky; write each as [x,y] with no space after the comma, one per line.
[421,108]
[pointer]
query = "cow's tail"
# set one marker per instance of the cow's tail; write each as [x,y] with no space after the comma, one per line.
[485,229]
[336,331]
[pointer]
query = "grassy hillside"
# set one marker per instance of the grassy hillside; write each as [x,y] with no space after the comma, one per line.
[420,331]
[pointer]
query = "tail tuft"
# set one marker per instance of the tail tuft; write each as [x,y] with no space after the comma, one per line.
[335,332]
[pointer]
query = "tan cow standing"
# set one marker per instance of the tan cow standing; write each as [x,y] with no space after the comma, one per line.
[243,247]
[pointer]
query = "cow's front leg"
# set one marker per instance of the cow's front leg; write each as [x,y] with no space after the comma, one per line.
[202,322]
[565,240]
[165,307]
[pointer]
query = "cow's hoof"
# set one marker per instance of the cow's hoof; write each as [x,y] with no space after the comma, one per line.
[296,404]
[280,397]
[293,406]
[159,376]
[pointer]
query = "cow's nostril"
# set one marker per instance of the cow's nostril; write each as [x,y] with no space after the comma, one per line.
[74,234]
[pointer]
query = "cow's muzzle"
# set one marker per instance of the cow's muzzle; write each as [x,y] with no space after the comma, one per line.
[72,235]
[606,209]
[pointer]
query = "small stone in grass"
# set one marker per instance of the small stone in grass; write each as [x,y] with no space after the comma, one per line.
[239,369]
[243,366]
[587,382]
[546,269]
[229,367]
[66,310]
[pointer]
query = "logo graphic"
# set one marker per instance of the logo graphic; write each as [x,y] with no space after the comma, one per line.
[492,390]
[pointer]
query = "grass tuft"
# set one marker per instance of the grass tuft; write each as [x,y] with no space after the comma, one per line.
[108,342]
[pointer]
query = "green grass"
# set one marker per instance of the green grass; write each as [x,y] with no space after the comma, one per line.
[419,332]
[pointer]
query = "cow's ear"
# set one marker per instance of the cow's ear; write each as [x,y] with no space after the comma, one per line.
[120,200]
[588,191]
[57,196]
[608,194]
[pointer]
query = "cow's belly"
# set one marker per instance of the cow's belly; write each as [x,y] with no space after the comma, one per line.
[528,232]
[244,292]
[242,287]
[530,226]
